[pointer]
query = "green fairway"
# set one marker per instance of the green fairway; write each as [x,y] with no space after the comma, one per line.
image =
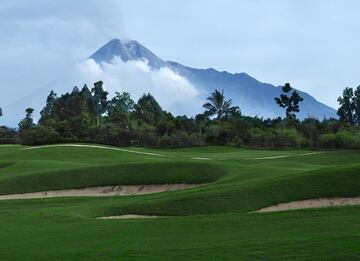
[214,221]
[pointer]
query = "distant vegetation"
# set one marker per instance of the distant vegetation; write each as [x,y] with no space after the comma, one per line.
[87,115]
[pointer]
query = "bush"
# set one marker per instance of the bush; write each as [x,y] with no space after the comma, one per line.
[212,133]
[275,138]
[327,140]
[179,139]
[38,135]
[344,139]
[146,139]
[256,137]
[166,142]
[348,139]
[8,135]
[289,138]
[112,134]
[182,139]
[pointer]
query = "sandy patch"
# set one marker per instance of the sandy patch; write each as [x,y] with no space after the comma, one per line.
[93,146]
[101,191]
[130,216]
[312,203]
[284,156]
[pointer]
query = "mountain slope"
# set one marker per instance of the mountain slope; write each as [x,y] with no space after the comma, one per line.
[254,97]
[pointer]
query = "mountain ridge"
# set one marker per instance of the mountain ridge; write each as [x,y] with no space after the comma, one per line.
[254,97]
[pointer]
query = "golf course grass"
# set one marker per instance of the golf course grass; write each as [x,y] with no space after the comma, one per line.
[214,221]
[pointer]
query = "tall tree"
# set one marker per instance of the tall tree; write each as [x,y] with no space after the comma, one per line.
[75,90]
[1,112]
[347,106]
[119,109]
[87,95]
[27,122]
[290,101]
[356,101]
[201,120]
[218,106]
[86,92]
[166,124]
[148,110]
[121,103]
[50,101]
[100,100]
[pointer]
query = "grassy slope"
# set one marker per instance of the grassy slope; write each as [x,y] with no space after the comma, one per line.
[64,227]
[120,174]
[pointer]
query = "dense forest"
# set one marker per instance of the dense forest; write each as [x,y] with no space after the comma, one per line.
[87,115]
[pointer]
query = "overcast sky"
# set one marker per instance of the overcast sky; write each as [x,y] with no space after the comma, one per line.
[311,44]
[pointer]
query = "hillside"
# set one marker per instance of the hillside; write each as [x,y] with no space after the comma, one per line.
[213,221]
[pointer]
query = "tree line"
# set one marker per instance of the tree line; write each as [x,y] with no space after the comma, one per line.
[88,115]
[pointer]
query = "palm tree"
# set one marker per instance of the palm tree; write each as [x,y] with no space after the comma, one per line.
[219,106]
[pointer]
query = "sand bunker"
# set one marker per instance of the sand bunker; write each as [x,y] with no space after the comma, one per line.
[101,191]
[130,216]
[312,203]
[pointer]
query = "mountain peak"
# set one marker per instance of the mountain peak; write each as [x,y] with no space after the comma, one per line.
[118,41]
[126,50]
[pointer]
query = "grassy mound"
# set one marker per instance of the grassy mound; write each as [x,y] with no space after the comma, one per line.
[244,197]
[120,174]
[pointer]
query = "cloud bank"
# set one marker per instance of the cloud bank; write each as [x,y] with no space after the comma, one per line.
[171,90]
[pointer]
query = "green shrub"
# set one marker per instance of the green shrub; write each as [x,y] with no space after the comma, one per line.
[166,142]
[327,140]
[348,139]
[113,134]
[38,135]
[179,139]
[289,137]
[274,138]
[8,135]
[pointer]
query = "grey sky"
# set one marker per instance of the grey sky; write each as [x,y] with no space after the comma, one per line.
[311,44]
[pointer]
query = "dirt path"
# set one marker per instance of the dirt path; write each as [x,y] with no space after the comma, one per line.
[101,191]
[312,203]
[94,146]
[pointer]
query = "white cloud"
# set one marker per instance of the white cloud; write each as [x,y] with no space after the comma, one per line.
[170,89]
